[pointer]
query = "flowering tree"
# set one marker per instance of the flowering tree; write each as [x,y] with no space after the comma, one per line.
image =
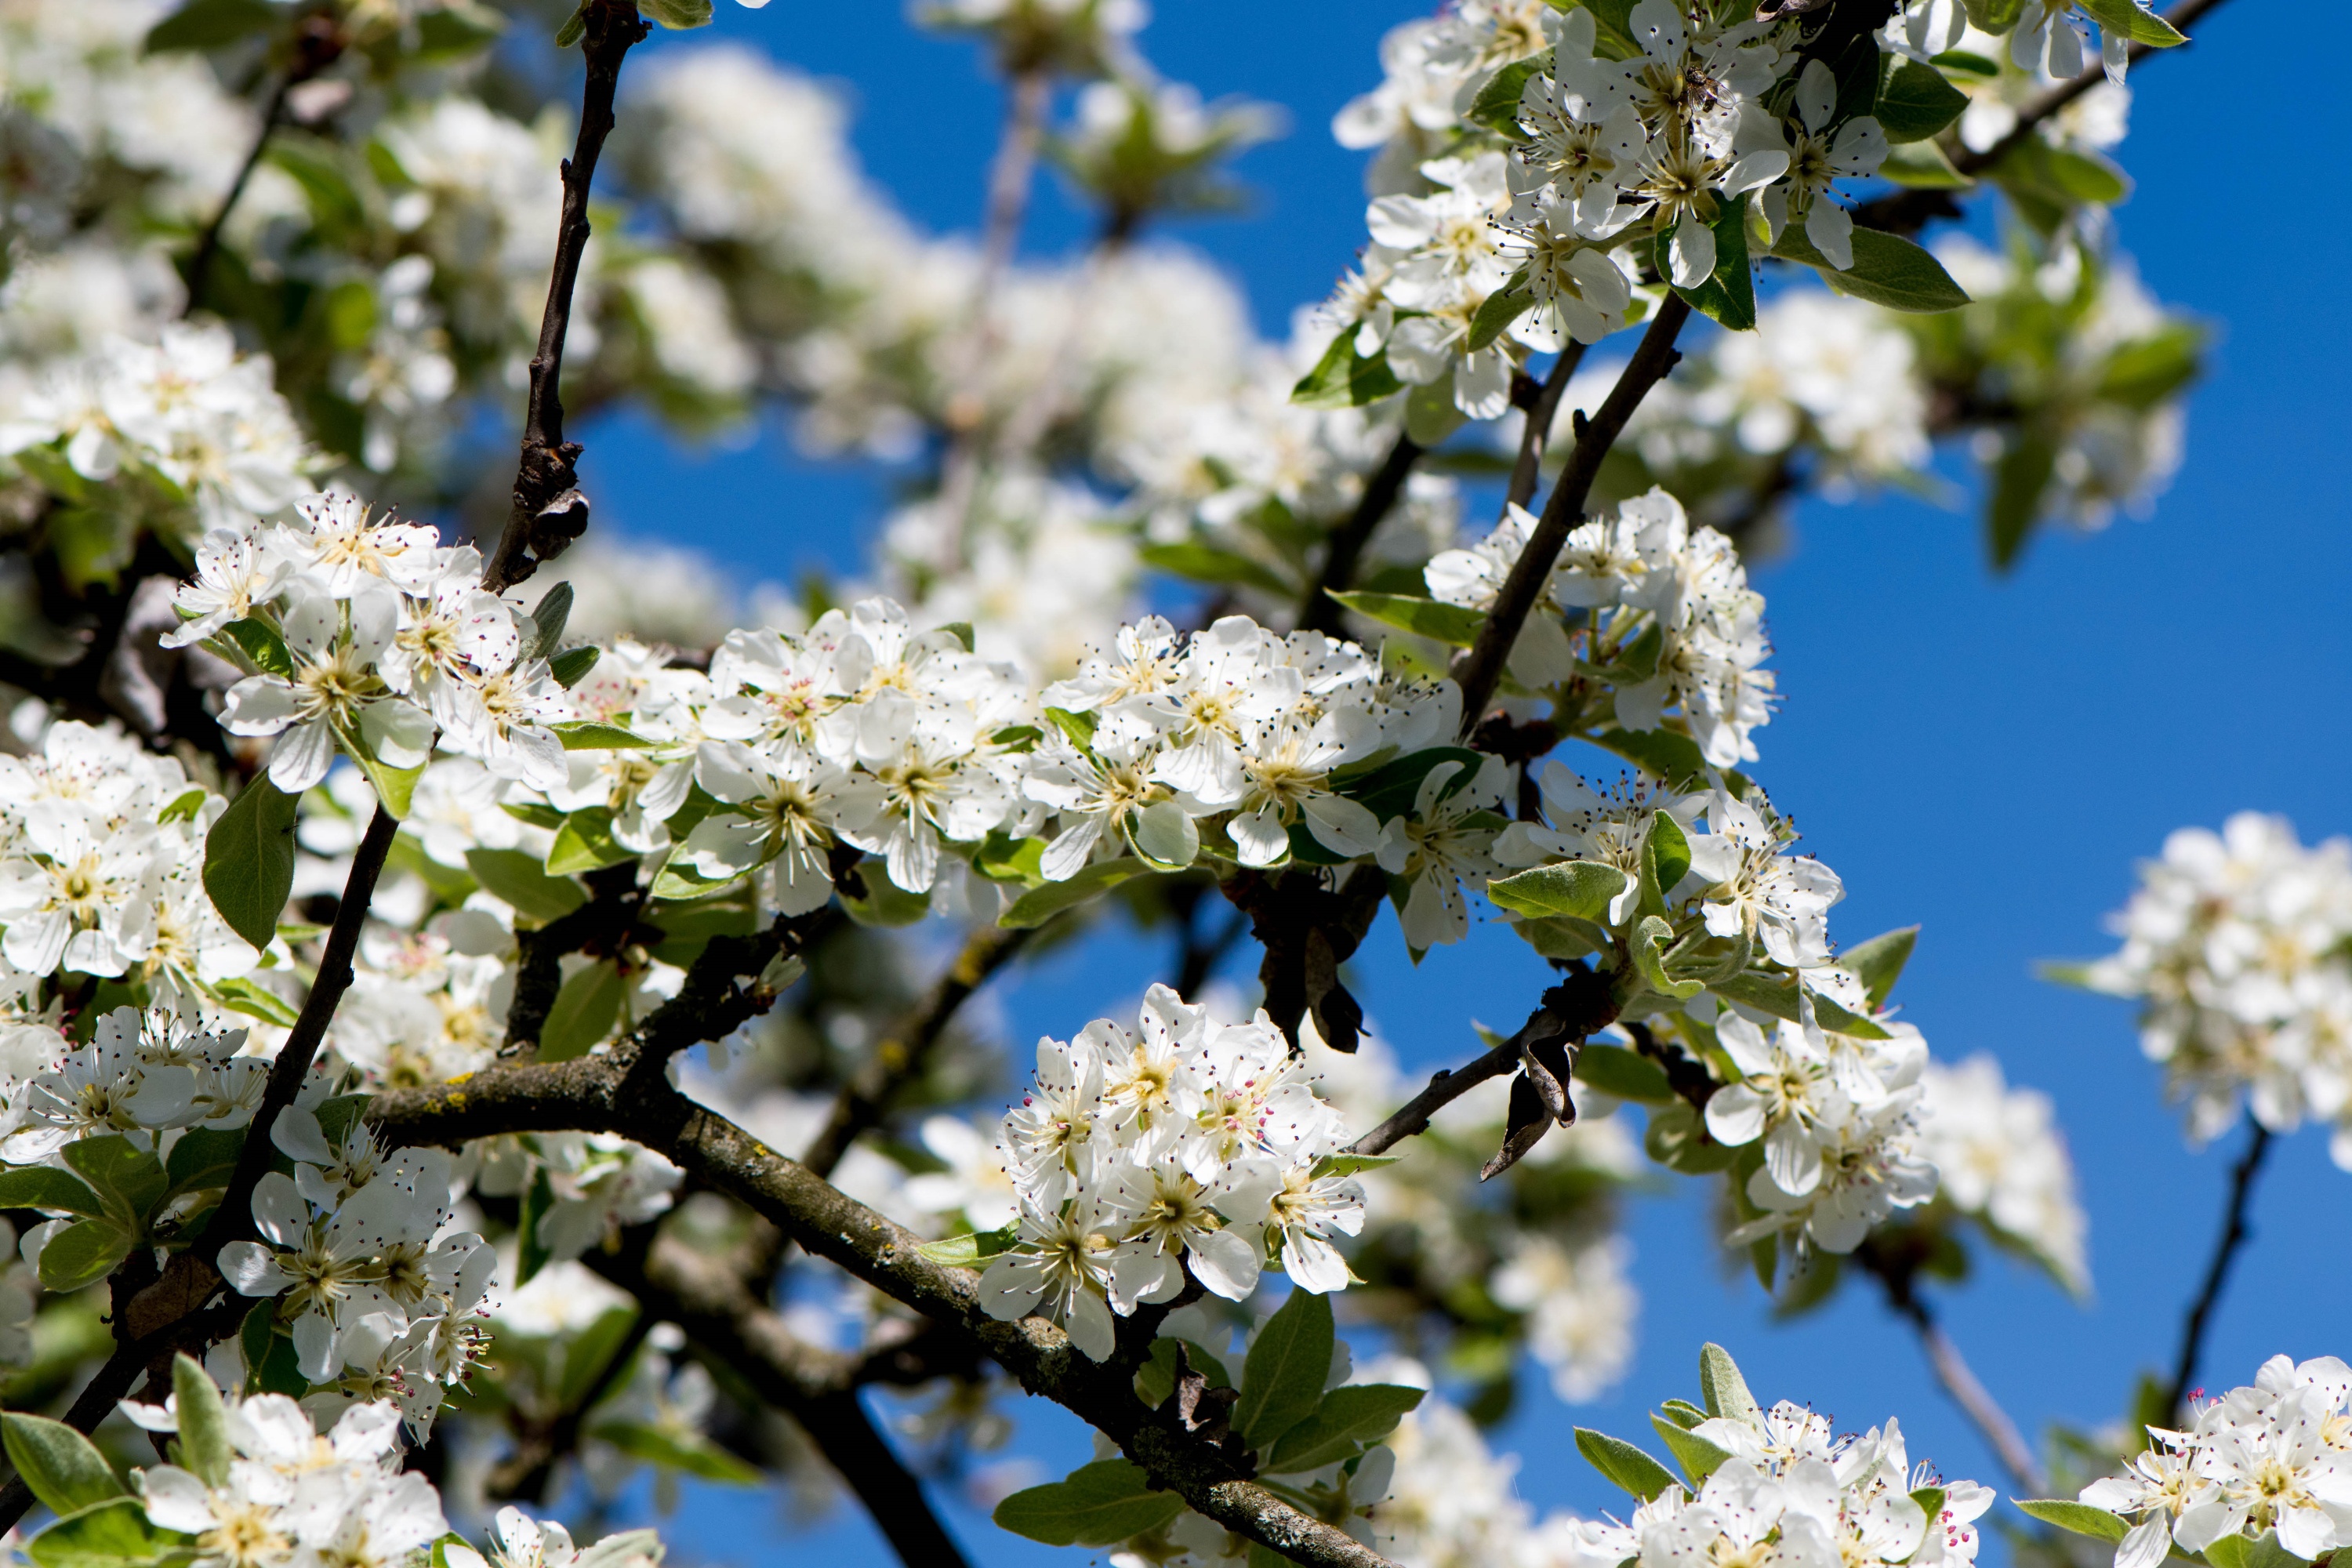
[472,1024]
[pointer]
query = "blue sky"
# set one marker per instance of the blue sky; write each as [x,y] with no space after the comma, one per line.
[1984,757]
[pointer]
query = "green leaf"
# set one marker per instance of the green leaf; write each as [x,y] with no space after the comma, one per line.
[203,1158]
[1042,903]
[575,28]
[1002,858]
[394,787]
[184,806]
[1916,101]
[260,643]
[63,1467]
[45,1187]
[1582,888]
[1343,379]
[115,1534]
[1351,1164]
[1683,1412]
[127,1179]
[240,995]
[594,735]
[585,1012]
[1722,1389]
[2081,1519]
[1095,1505]
[1628,1075]
[544,632]
[1670,758]
[1350,1418]
[210,25]
[1450,623]
[205,1446]
[1665,859]
[2066,177]
[1729,295]
[570,667]
[249,860]
[522,881]
[886,903]
[1886,270]
[1281,1380]
[1923,166]
[1879,962]
[1780,998]
[1931,1502]
[2229,1552]
[1496,106]
[456,28]
[687,1452]
[1697,1456]
[1495,313]
[972,1248]
[2143,373]
[588,1354]
[679,15]
[1206,564]
[1392,788]
[585,843]
[1676,1138]
[687,929]
[1647,945]
[2125,17]
[531,1251]
[2020,479]
[1622,1463]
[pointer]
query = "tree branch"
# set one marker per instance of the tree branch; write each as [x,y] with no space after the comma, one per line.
[626,1093]
[526,1472]
[1480,668]
[816,1388]
[1897,1271]
[2234,1236]
[549,511]
[1537,433]
[318,42]
[906,1051]
[1318,611]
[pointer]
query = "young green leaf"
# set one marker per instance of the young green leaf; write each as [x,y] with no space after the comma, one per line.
[1683,1412]
[521,880]
[1614,1070]
[1038,905]
[1350,1418]
[1697,1456]
[1342,379]
[594,735]
[1722,1389]
[1499,310]
[115,1534]
[1886,270]
[2134,22]
[1623,1464]
[1648,948]
[543,633]
[585,843]
[210,25]
[2080,1518]
[1207,564]
[1728,294]
[205,1446]
[1094,1505]
[585,1012]
[687,1452]
[249,860]
[1879,962]
[1282,1381]
[571,667]
[971,1249]
[47,1187]
[61,1466]
[1449,623]
[1582,888]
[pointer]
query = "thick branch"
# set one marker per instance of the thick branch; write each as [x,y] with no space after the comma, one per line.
[1481,666]
[628,1094]
[549,511]
[906,1051]
[1320,612]
[2234,1236]
[1537,433]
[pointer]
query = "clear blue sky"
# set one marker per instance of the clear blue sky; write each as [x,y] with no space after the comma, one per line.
[1986,758]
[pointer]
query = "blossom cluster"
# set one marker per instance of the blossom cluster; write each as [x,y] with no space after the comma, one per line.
[369,635]
[2234,944]
[101,857]
[201,426]
[377,1292]
[140,1075]
[2272,1455]
[2001,1159]
[1790,1490]
[1662,608]
[1183,1149]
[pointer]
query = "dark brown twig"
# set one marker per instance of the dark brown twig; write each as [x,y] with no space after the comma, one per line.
[318,44]
[1320,612]
[1537,433]
[1480,668]
[906,1051]
[2236,1233]
[1578,1007]
[549,511]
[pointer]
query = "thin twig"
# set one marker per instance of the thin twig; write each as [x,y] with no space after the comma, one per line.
[1896,1267]
[2236,1233]
[1320,612]
[906,1051]
[526,1472]
[318,42]
[1480,668]
[1537,433]
[549,511]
